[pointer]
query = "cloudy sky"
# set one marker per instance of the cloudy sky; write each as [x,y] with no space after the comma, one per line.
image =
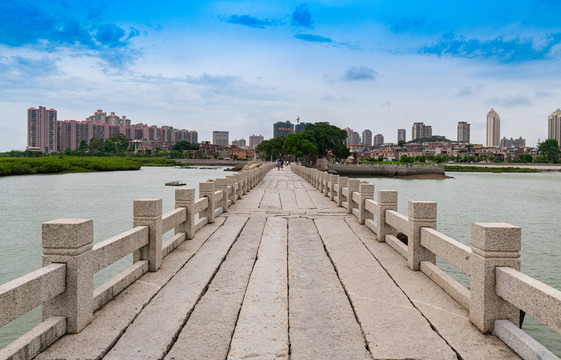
[243,65]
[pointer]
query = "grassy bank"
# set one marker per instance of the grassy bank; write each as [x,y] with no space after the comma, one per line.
[146,161]
[67,164]
[497,169]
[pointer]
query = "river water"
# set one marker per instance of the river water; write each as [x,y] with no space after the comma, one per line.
[531,201]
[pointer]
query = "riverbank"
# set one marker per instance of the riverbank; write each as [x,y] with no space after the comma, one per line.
[501,168]
[77,164]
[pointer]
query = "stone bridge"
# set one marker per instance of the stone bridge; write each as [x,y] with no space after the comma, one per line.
[269,264]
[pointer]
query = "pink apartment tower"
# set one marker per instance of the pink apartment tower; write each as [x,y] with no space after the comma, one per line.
[42,129]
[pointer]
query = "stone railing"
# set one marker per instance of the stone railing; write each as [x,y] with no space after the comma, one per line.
[64,285]
[498,294]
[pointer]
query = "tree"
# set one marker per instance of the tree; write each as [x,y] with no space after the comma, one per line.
[184,145]
[400,143]
[95,145]
[549,149]
[83,145]
[328,138]
[299,145]
[271,148]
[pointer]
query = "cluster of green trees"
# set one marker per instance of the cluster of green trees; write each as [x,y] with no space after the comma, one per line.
[116,145]
[318,140]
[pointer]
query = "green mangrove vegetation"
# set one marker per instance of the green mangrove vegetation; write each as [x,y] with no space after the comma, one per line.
[65,164]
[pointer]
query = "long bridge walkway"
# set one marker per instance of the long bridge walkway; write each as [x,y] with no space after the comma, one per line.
[284,274]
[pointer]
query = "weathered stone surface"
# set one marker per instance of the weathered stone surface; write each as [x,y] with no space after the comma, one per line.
[262,328]
[448,317]
[208,337]
[379,305]
[271,200]
[111,320]
[322,323]
[151,334]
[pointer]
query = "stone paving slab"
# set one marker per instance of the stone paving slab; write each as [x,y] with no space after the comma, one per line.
[111,320]
[152,333]
[381,307]
[251,200]
[288,200]
[322,323]
[449,318]
[210,327]
[271,200]
[262,328]
[303,200]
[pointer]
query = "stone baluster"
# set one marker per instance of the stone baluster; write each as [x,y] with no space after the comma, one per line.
[232,182]
[334,182]
[206,189]
[387,200]
[421,214]
[352,187]
[239,180]
[493,245]
[185,198]
[70,241]
[222,184]
[366,191]
[343,183]
[148,212]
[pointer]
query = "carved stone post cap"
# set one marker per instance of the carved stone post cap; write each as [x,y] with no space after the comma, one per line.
[67,233]
[222,182]
[366,189]
[206,187]
[496,237]
[387,196]
[422,210]
[185,194]
[147,208]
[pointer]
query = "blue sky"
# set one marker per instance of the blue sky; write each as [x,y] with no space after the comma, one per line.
[243,65]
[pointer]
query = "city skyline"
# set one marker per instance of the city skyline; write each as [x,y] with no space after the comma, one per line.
[243,65]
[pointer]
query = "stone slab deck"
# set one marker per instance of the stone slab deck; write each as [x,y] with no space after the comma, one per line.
[285,274]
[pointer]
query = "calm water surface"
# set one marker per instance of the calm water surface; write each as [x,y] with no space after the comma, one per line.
[531,201]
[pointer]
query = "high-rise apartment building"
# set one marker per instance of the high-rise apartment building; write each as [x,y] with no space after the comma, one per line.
[283,128]
[463,132]
[378,139]
[493,129]
[220,138]
[238,143]
[554,126]
[255,140]
[367,138]
[42,129]
[401,135]
[300,127]
[420,130]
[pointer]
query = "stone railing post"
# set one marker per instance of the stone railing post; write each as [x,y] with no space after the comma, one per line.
[343,183]
[239,182]
[185,198]
[70,241]
[421,214]
[328,184]
[232,182]
[493,245]
[366,191]
[387,200]
[222,184]
[206,189]
[148,212]
[334,182]
[352,187]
